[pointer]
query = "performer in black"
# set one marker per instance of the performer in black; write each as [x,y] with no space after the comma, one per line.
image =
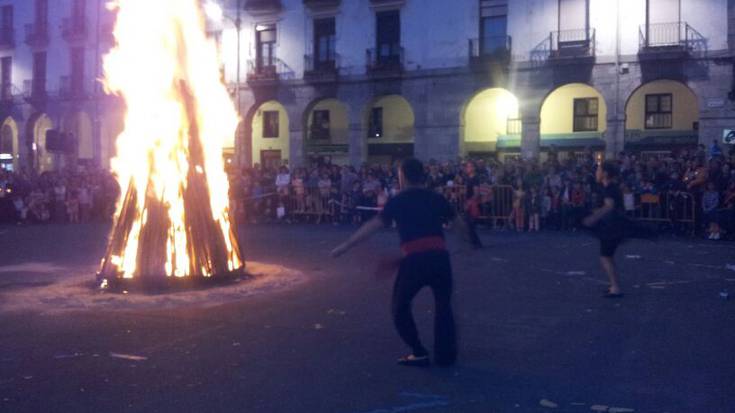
[419,214]
[609,223]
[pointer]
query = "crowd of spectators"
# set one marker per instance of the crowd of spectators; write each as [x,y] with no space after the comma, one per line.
[553,194]
[83,195]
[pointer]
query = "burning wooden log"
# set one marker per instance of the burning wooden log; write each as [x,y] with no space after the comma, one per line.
[206,248]
[172,223]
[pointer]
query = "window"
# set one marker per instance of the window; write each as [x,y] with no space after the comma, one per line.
[573,16]
[42,13]
[375,129]
[585,114]
[659,111]
[270,124]
[388,33]
[6,26]
[324,42]
[39,74]
[77,69]
[320,124]
[493,26]
[6,68]
[265,45]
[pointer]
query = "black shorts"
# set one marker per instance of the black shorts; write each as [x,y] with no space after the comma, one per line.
[608,246]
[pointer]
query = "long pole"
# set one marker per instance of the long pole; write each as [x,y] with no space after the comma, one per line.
[97,138]
[240,129]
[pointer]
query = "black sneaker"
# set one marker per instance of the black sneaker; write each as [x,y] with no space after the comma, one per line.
[414,361]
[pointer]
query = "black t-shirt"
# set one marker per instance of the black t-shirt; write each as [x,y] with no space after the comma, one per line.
[612,191]
[418,213]
[611,225]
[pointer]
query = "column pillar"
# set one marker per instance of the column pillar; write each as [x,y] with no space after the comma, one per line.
[614,137]
[296,148]
[357,145]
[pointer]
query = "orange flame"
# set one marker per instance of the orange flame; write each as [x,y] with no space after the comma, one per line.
[161,45]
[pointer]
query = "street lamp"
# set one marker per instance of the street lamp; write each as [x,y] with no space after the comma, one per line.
[215,13]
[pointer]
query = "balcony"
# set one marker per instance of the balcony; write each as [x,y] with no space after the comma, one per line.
[322,4]
[321,70]
[7,38]
[261,71]
[71,87]
[386,61]
[572,45]
[34,90]
[37,34]
[489,50]
[74,29]
[8,93]
[263,7]
[673,40]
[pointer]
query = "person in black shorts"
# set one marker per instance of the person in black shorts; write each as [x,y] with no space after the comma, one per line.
[609,223]
[419,215]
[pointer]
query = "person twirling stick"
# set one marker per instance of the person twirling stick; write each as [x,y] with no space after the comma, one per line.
[609,223]
[419,214]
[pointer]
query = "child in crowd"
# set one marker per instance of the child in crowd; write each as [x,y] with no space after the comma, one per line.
[534,210]
[519,211]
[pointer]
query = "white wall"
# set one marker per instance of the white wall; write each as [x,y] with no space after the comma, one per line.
[58,51]
[435,33]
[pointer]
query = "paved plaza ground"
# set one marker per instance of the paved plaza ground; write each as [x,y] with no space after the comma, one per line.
[535,334]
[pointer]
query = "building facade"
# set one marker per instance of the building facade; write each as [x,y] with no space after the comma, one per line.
[377,80]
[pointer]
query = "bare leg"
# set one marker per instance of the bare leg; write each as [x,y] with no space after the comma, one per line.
[608,265]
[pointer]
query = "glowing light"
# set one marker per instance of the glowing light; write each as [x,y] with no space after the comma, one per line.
[213,11]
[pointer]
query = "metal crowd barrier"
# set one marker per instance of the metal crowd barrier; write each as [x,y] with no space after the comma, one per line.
[674,208]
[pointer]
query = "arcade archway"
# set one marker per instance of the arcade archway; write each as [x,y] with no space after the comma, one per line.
[9,145]
[327,131]
[490,118]
[270,135]
[574,117]
[389,125]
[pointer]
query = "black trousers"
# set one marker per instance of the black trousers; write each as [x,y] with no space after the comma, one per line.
[427,269]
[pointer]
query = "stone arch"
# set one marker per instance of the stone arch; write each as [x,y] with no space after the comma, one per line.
[326,126]
[270,134]
[9,144]
[490,116]
[44,160]
[389,122]
[573,116]
[661,113]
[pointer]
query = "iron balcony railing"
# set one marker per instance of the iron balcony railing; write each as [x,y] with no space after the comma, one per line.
[8,92]
[572,43]
[34,89]
[386,58]
[514,126]
[266,69]
[669,35]
[490,48]
[322,65]
[7,37]
[37,34]
[74,28]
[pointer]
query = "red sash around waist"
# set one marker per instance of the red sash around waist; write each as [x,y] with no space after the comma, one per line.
[424,244]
